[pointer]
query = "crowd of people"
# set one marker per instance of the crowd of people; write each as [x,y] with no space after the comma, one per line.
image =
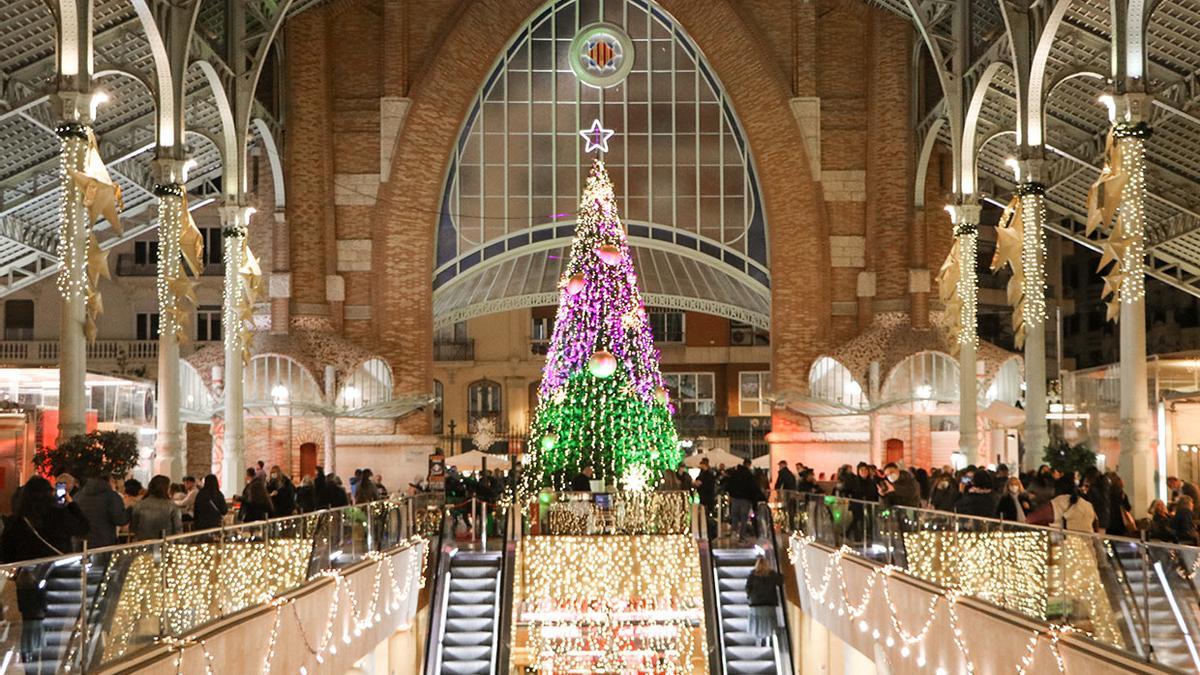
[1087,501]
[51,519]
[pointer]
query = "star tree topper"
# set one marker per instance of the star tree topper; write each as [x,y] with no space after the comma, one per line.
[596,137]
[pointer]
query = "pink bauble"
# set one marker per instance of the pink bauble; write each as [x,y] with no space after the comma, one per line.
[575,284]
[602,364]
[611,255]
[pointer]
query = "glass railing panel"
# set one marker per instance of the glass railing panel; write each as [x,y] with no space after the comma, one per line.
[128,608]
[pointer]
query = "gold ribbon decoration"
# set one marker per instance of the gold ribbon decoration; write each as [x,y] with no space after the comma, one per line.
[947,280]
[1010,233]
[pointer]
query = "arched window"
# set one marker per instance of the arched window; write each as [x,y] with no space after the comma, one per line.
[369,384]
[926,376]
[483,401]
[830,380]
[679,160]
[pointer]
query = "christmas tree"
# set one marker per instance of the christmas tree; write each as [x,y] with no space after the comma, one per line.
[602,401]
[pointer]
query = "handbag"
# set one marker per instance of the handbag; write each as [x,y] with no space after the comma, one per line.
[1127,518]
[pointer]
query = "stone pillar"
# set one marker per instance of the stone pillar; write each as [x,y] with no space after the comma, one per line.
[279,286]
[172,218]
[1033,259]
[865,290]
[76,114]
[330,421]
[966,230]
[234,219]
[1137,463]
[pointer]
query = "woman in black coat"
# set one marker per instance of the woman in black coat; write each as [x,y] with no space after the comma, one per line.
[210,506]
[41,527]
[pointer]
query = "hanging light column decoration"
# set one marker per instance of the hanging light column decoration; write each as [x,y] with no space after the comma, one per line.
[243,285]
[1033,256]
[602,400]
[88,194]
[179,243]
[1120,191]
[958,282]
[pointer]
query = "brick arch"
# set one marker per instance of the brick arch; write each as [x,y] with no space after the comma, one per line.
[405,218]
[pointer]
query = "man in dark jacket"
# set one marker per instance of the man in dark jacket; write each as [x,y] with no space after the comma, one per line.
[785,479]
[980,498]
[901,488]
[744,493]
[582,482]
[104,510]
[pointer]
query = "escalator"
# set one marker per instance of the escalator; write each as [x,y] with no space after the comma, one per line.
[1154,607]
[731,566]
[470,614]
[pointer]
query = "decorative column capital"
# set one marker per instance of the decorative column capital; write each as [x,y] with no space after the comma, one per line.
[76,107]
[235,218]
[171,171]
[1129,110]
[965,217]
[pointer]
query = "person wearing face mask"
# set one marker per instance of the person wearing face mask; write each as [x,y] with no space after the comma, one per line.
[979,499]
[944,493]
[899,488]
[1014,502]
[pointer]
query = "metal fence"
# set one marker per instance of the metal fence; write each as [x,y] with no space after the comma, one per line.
[1135,595]
[88,610]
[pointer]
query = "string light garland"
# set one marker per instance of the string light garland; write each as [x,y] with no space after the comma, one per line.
[600,400]
[242,286]
[611,604]
[398,593]
[73,147]
[909,641]
[1120,191]
[179,243]
[1033,254]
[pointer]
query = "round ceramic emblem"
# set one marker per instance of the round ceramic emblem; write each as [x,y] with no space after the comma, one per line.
[601,55]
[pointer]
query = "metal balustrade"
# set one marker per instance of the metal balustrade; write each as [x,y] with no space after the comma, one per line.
[109,604]
[1138,596]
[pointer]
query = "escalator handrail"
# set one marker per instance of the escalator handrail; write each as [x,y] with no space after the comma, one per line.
[714,627]
[504,594]
[438,596]
[771,548]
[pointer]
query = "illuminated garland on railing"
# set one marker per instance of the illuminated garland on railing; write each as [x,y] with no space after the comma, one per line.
[907,638]
[399,592]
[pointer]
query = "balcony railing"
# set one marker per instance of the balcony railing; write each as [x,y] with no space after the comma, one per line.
[128,266]
[462,350]
[30,352]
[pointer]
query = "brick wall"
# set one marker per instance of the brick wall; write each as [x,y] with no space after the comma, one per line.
[825,228]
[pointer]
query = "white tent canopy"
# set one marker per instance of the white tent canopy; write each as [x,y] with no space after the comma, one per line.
[473,461]
[716,457]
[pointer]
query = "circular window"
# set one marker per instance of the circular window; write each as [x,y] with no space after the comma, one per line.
[601,55]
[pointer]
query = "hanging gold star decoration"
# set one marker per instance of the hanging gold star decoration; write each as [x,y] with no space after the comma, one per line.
[250,278]
[101,195]
[1105,194]
[1010,232]
[1116,197]
[947,280]
[101,198]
